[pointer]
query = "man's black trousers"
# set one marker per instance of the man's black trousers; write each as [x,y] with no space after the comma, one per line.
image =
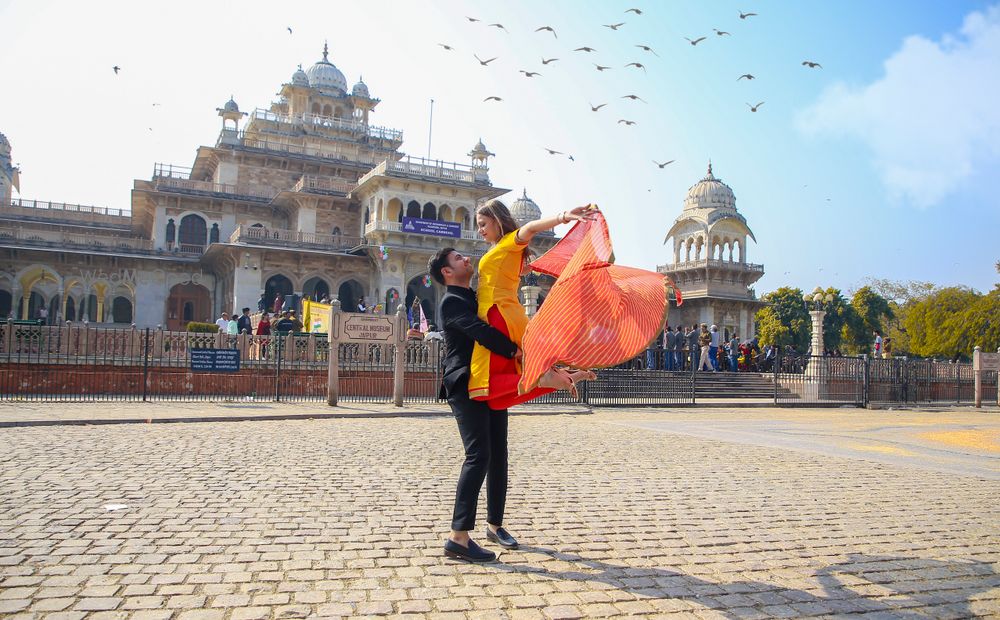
[484,435]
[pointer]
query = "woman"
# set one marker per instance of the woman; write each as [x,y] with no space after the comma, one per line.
[494,378]
[263,329]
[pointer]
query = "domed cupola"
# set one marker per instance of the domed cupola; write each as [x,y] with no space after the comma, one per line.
[325,77]
[710,193]
[4,144]
[361,89]
[299,78]
[525,209]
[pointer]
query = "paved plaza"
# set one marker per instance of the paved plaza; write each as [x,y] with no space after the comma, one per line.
[695,512]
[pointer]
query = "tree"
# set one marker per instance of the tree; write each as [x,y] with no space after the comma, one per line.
[784,320]
[838,315]
[871,312]
[937,325]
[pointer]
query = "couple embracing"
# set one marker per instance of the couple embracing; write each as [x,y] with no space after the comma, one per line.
[495,360]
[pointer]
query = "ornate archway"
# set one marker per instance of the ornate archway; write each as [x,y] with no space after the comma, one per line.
[186,303]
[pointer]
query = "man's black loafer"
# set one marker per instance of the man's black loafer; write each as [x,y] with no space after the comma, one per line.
[501,537]
[472,553]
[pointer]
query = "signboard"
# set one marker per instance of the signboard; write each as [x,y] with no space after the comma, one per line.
[432,227]
[367,328]
[215,360]
[315,317]
[987,361]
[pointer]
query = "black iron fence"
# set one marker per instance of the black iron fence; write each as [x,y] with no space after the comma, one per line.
[85,363]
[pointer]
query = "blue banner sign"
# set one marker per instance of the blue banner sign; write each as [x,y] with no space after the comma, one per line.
[432,227]
[215,360]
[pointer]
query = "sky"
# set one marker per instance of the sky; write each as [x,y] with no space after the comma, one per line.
[881,163]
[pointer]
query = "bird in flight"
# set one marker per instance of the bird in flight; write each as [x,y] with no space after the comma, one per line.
[601,68]
[485,62]
[696,41]
[549,28]
[746,15]
[623,121]
[595,108]
[447,47]
[471,19]
[634,98]
[528,74]
[584,49]
[614,26]
[492,98]
[155,104]
[547,61]
[636,65]
[500,26]
[720,32]
[551,152]
[811,64]
[636,11]
[646,48]
[753,108]
[747,76]
[664,164]
[289,28]
[571,158]
[116,69]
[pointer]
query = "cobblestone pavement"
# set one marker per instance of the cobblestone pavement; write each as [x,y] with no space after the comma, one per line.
[618,515]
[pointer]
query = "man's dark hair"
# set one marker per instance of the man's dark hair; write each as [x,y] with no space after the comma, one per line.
[438,262]
[246,309]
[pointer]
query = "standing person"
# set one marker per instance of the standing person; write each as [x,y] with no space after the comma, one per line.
[713,348]
[694,347]
[887,348]
[232,328]
[296,323]
[734,353]
[878,344]
[244,325]
[669,344]
[678,352]
[261,304]
[362,308]
[223,322]
[263,329]
[279,301]
[483,430]
[284,324]
[705,345]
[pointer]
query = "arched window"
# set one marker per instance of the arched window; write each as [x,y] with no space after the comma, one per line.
[430,211]
[315,108]
[328,110]
[6,304]
[70,309]
[213,235]
[192,231]
[121,310]
[413,209]
[171,230]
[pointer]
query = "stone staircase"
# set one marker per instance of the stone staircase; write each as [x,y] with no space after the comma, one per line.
[737,385]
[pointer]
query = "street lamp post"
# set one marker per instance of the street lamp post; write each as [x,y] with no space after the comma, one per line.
[816,302]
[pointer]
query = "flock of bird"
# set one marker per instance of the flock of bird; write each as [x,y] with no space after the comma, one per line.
[586,49]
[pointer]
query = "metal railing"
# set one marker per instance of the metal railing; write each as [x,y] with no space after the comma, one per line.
[317,120]
[45,208]
[260,235]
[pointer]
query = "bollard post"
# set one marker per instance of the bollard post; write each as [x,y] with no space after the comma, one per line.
[977,376]
[400,327]
[333,370]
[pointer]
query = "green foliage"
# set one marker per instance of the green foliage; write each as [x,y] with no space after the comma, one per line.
[208,328]
[871,311]
[937,325]
[839,314]
[784,320]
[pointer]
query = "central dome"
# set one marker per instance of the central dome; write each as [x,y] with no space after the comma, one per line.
[710,193]
[324,76]
[525,210]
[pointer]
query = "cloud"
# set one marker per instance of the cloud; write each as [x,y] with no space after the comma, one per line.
[932,120]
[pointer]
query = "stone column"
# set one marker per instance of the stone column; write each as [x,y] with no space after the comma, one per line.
[530,293]
[814,366]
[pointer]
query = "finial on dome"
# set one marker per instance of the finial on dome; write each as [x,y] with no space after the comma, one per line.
[300,66]
[325,51]
[709,166]
[524,192]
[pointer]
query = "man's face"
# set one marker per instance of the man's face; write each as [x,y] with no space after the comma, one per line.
[225,315]
[459,268]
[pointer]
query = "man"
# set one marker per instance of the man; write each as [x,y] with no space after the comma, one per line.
[223,322]
[244,325]
[669,344]
[734,353]
[362,308]
[483,430]
[285,324]
[678,352]
[414,332]
[878,344]
[296,323]
[704,345]
[713,348]
[694,349]
[433,333]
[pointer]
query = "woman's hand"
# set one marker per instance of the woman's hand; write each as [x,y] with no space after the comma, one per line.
[581,214]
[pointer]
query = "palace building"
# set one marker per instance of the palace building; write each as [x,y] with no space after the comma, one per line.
[710,261]
[306,197]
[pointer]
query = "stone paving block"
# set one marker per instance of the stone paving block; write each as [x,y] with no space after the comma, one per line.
[98,604]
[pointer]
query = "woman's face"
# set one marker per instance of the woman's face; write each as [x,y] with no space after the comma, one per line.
[489,228]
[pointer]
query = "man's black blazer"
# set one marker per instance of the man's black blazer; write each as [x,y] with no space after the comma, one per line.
[462,329]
